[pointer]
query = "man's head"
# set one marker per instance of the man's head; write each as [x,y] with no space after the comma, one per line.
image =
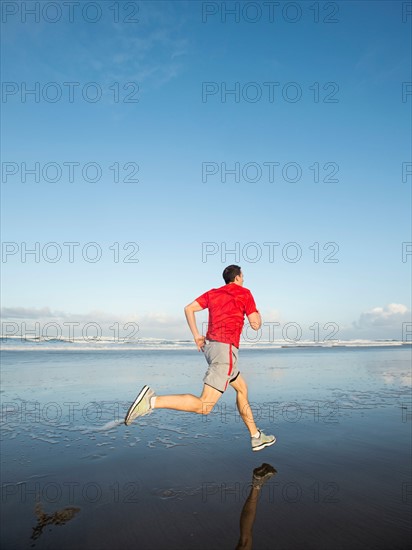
[233,274]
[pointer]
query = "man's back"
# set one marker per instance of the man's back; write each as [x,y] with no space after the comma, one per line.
[227,306]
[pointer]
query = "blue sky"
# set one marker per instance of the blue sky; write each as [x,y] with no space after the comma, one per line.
[174,132]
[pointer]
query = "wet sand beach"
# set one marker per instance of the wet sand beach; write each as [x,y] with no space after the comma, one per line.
[74,476]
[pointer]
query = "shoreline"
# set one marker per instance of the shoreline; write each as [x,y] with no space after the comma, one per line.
[34,344]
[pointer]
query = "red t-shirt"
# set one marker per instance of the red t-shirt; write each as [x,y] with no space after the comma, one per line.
[227,306]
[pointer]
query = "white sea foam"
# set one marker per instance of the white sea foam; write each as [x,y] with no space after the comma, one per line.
[109,425]
[30,343]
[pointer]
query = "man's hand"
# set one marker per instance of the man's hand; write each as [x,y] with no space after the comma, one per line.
[255,320]
[190,311]
[200,342]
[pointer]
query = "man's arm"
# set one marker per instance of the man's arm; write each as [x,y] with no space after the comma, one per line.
[255,320]
[190,311]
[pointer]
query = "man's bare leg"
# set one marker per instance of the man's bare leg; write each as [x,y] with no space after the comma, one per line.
[243,404]
[188,402]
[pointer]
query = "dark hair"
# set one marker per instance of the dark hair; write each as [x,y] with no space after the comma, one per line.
[230,273]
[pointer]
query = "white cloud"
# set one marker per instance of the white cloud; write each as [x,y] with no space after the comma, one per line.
[10,313]
[389,322]
[38,321]
[151,52]
[271,316]
[391,315]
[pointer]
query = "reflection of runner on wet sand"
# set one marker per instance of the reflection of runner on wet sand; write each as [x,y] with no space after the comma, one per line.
[247,517]
[60,517]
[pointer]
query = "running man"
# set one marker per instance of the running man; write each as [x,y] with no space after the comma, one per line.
[227,307]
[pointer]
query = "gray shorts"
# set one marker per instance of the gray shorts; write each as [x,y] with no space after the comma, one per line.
[222,360]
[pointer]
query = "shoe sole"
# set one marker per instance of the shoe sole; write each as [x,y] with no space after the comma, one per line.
[136,402]
[263,445]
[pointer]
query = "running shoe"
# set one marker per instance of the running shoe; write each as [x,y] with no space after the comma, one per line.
[140,406]
[262,474]
[259,443]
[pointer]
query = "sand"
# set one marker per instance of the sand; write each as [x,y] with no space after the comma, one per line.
[74,476]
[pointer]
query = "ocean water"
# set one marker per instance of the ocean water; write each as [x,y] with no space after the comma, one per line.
[74,476]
